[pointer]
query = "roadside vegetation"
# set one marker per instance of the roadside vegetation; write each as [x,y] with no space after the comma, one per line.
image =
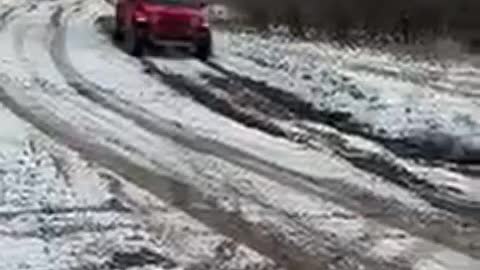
[378,23]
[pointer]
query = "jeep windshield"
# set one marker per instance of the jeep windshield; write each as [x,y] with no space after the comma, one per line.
[188,3]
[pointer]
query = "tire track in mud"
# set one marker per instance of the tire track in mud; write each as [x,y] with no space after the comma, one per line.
[342,255]
[473,171]
[144,257]
[388,170]
[384,210]
[216,102]
[67,210]
[50,232]
[4,16]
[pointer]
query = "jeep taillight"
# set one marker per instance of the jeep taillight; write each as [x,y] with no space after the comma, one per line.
[140,16]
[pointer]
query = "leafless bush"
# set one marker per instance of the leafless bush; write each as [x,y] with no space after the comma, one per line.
[353,20]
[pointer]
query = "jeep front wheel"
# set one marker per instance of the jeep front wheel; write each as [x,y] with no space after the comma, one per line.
[203,48]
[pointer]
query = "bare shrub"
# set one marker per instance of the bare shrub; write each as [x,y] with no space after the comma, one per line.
[408,21]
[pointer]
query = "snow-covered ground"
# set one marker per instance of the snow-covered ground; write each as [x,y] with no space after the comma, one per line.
[223,183]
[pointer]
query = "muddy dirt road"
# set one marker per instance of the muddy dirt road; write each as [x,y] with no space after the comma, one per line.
[237,162]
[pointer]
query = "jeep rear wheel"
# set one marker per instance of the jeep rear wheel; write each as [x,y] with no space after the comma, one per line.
[117,31]
[203,49]
[133,43]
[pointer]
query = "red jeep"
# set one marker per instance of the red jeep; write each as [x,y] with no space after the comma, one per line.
[162,23]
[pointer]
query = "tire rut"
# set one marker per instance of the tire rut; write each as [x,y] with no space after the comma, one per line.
[216,103]
[56,211]
[4,16]
[341,255]
[388,170]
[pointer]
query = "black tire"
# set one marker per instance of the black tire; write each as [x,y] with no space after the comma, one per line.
[133,44]
[117,30]
[117,34]
[203,49]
